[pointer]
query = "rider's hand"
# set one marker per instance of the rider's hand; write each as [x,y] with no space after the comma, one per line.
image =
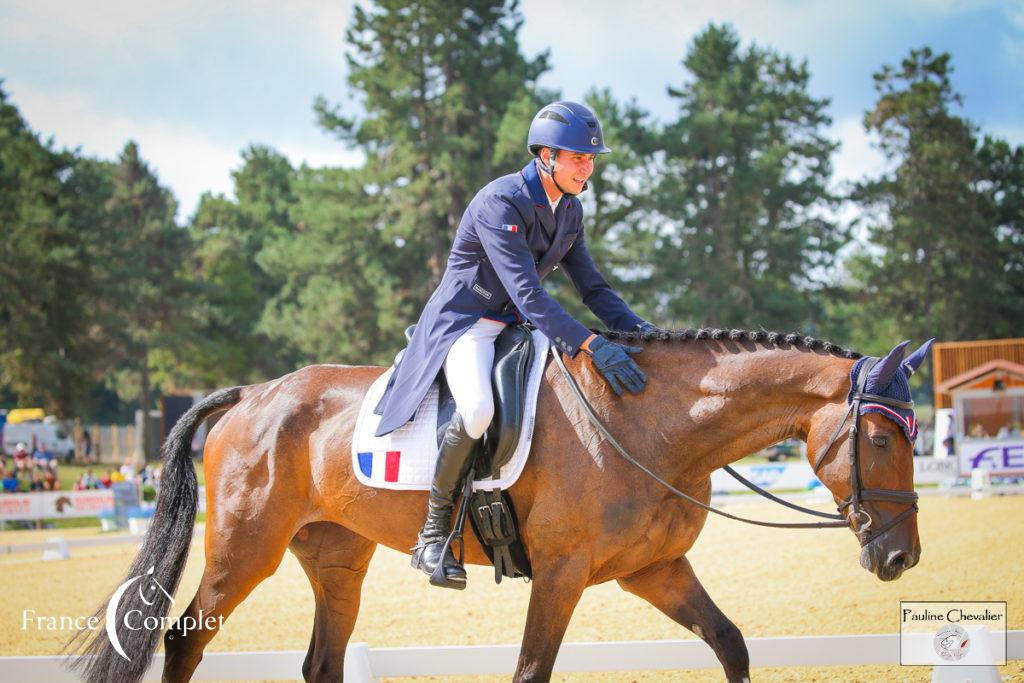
[644,326]
[615,364]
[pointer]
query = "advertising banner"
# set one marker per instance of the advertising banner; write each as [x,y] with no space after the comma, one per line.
[1003,458]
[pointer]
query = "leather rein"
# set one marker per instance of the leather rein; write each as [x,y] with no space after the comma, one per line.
[858,519]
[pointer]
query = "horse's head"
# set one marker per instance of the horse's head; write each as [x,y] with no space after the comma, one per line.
[862,449]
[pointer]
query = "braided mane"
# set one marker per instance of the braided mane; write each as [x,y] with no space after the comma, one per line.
[776,339]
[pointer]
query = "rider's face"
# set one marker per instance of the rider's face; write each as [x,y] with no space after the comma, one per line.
[573,169]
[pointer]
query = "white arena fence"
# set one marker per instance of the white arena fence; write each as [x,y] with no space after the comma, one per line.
[364,664]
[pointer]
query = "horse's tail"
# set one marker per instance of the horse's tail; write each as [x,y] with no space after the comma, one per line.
[123,651]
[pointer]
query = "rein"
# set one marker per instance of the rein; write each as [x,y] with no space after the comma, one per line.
[858,494]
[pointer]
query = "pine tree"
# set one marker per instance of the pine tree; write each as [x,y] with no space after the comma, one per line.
[945,248]
[743,241]
[435,80]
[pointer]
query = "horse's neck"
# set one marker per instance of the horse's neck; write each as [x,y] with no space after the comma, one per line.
[734,403]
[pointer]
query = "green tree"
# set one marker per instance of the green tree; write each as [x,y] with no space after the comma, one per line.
[435,80]
[142,315]
[945,251]
[50,264]
[341,299]
[234,290]
[742,240]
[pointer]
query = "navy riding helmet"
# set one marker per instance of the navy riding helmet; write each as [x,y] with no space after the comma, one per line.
[565,125]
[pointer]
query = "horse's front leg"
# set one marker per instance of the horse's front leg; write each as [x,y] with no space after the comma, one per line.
[673,588]
[558,583]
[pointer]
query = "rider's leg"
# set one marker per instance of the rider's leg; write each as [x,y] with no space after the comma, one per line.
[468,371]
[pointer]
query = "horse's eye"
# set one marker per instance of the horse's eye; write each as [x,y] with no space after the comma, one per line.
[880,441]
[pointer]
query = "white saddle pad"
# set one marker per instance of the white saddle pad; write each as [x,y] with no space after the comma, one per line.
[404,459]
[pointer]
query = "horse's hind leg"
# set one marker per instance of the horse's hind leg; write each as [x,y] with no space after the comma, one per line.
[673,588]
[239,555]
[335,560]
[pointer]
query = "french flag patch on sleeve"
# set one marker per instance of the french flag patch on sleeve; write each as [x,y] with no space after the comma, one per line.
[380,465]
[509,227]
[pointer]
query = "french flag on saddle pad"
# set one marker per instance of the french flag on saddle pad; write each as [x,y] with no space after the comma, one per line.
[380,465]
[509,227]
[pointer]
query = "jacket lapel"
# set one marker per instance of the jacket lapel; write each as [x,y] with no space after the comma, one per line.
[541,206]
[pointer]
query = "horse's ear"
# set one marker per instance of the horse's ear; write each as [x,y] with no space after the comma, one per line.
[914,360]
[881,375]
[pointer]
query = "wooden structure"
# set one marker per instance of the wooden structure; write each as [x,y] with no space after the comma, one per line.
[983,383]
[950,359]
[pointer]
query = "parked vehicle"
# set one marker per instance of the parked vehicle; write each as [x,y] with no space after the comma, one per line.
[45,433]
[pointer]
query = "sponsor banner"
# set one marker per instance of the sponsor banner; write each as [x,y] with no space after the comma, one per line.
[934,470]
[797,475]
[1002,458]
[55,504]
[791,475]
[60,504]
[20,506]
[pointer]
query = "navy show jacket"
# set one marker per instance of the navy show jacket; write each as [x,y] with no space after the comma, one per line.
[507,242]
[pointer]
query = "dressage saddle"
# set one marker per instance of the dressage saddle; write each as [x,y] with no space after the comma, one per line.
[491,512]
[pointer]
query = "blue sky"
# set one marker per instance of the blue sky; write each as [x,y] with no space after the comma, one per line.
[195,82]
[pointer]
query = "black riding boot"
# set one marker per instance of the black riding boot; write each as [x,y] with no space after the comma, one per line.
[453,463]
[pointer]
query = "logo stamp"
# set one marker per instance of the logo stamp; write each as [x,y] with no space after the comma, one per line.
[952,643]
[953,633]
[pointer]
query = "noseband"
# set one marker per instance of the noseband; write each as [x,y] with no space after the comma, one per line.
[859,518]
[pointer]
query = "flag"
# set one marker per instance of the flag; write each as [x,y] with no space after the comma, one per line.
[380,465]
[509,227]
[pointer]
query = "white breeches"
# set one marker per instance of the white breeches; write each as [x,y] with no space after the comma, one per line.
[468,371]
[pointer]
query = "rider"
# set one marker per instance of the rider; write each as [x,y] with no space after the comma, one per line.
[516,231]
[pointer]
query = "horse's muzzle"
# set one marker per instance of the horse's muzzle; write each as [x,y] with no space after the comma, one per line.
[886,562]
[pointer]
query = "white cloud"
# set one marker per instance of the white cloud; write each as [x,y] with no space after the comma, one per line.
[856,158]
[187,159]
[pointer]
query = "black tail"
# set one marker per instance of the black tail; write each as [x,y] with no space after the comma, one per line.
[165,550]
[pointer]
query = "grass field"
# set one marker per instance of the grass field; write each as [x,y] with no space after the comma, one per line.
[769,582]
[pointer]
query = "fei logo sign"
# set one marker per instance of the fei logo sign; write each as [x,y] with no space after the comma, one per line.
[1001,458]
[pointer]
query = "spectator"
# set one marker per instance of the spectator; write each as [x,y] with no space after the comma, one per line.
[85,445]
[10,481]
[42,456]
[87,481]
[128,470]
[116,476]
[37,481]
[50,481]
[107,479]
[22,458]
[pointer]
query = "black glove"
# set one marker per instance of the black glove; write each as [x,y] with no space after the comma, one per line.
[616,366]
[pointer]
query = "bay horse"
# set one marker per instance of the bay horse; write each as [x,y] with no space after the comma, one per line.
[279,475]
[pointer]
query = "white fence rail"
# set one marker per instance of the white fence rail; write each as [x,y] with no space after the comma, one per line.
[365,664]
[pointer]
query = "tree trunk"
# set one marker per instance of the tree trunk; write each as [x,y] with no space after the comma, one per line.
[144,401]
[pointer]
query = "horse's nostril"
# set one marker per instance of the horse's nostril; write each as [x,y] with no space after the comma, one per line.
[898,560]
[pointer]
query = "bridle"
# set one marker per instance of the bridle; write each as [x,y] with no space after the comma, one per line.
[857,518]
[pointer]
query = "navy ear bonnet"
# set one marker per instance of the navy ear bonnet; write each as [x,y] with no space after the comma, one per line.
[890,377]
[898,389]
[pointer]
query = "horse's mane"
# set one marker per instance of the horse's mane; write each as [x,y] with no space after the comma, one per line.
[776,339]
